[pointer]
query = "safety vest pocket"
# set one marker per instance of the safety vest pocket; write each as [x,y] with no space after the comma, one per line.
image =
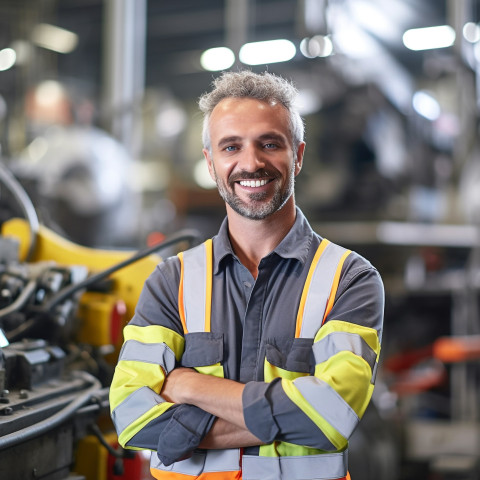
[204,352]
[288,358]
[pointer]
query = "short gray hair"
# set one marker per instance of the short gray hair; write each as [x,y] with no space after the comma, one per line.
[246,84]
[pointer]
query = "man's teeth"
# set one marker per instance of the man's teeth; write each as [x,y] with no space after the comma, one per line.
[253,183]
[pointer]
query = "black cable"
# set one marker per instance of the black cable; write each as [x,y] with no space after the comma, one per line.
[66,292]
[21,300]
[95,429]
[49,423]
[26,205]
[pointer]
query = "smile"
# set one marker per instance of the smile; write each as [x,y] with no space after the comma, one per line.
[253,183]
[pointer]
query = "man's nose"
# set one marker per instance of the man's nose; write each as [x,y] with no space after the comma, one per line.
[252,159]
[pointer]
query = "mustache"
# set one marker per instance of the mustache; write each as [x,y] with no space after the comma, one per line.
[244,175]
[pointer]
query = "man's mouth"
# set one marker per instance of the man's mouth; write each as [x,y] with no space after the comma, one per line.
[253,183]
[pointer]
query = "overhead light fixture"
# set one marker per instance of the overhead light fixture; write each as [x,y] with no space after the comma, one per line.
[7,59]
[54,38]
[428,38]
[317,46]
[426,105]
[471,32]
[216,59]
[270,51]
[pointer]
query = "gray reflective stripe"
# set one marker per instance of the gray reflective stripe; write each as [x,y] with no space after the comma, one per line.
[194,288]
[328,403]
[328,466]
[319,291]
[156,353]
[134,406]
[336,342]
[227,460]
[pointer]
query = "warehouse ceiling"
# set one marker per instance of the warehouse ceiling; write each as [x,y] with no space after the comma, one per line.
[343,94]
[176,33]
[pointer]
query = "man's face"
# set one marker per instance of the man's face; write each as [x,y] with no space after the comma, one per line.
[251,158]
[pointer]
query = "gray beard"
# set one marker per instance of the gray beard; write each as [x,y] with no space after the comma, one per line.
[258,208]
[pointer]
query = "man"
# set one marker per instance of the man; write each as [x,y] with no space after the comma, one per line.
[253,355]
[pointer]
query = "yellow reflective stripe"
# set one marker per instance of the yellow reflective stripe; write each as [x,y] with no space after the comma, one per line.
[336,438]
[129,378]
[301,308]
[208,282]
[156,334]
[336,281]
[181,306]
[370,335]
[213,370]
[271,371]
[141,422]
[349,375]
[284,449]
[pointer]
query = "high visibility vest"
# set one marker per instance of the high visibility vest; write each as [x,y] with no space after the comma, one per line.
[195,302]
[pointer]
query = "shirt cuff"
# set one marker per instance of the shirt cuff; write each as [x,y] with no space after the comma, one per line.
[257,410]
[183,433]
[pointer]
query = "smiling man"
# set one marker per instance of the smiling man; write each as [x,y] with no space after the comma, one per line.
[254,354]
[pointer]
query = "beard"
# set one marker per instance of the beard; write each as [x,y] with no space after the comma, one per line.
[258,207]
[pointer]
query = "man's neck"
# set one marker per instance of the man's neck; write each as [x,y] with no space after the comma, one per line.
[252,240]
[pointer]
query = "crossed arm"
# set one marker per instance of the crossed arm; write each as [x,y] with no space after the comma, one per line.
[220,397]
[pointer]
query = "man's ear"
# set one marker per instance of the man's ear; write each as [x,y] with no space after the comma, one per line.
[299,157]
[208,158]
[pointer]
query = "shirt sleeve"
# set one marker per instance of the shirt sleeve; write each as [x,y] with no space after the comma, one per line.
[323,409]
[153,345]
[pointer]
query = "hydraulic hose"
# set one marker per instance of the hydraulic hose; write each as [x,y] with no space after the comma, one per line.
[181,236]
[26,205]
[50,423]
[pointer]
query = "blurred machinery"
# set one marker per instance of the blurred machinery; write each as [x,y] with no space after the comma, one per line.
[62,310]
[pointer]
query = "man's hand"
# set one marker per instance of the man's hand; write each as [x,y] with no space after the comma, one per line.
[219,396]
[173,385]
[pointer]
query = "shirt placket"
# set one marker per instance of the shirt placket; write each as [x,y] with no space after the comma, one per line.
[253,325]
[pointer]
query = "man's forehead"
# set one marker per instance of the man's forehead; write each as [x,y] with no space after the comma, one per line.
[226,104]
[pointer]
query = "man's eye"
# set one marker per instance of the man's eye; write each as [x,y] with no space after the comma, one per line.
[230,148]
[270,146]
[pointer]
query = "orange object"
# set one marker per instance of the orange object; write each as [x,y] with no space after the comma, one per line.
[457,349]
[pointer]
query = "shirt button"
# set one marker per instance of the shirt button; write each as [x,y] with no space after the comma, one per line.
[247,284]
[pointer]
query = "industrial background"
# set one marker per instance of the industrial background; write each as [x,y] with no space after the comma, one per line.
[101,175]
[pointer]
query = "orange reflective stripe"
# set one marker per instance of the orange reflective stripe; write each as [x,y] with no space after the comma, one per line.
[181,307]
[208,281]
[301,308]
[336,281]
[169,475]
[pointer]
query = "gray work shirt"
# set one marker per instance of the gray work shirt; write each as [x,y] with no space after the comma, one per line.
[249,317]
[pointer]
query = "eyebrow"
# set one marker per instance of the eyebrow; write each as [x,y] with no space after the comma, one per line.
[265,136]
[226,140]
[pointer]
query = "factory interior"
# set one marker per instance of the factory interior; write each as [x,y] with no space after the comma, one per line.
[102,175]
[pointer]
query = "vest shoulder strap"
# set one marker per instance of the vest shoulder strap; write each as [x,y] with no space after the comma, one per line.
[320,288]
[195,288]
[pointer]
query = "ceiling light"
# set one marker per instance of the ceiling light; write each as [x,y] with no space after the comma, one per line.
[216,59]
[54,38]
[271,51]
[471,32]
[317,46]
[428,38]
[426,105]
[7,58]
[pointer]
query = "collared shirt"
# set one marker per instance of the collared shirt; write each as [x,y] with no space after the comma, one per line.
[250,317]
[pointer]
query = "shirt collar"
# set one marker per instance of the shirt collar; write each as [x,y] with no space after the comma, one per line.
[295,244]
